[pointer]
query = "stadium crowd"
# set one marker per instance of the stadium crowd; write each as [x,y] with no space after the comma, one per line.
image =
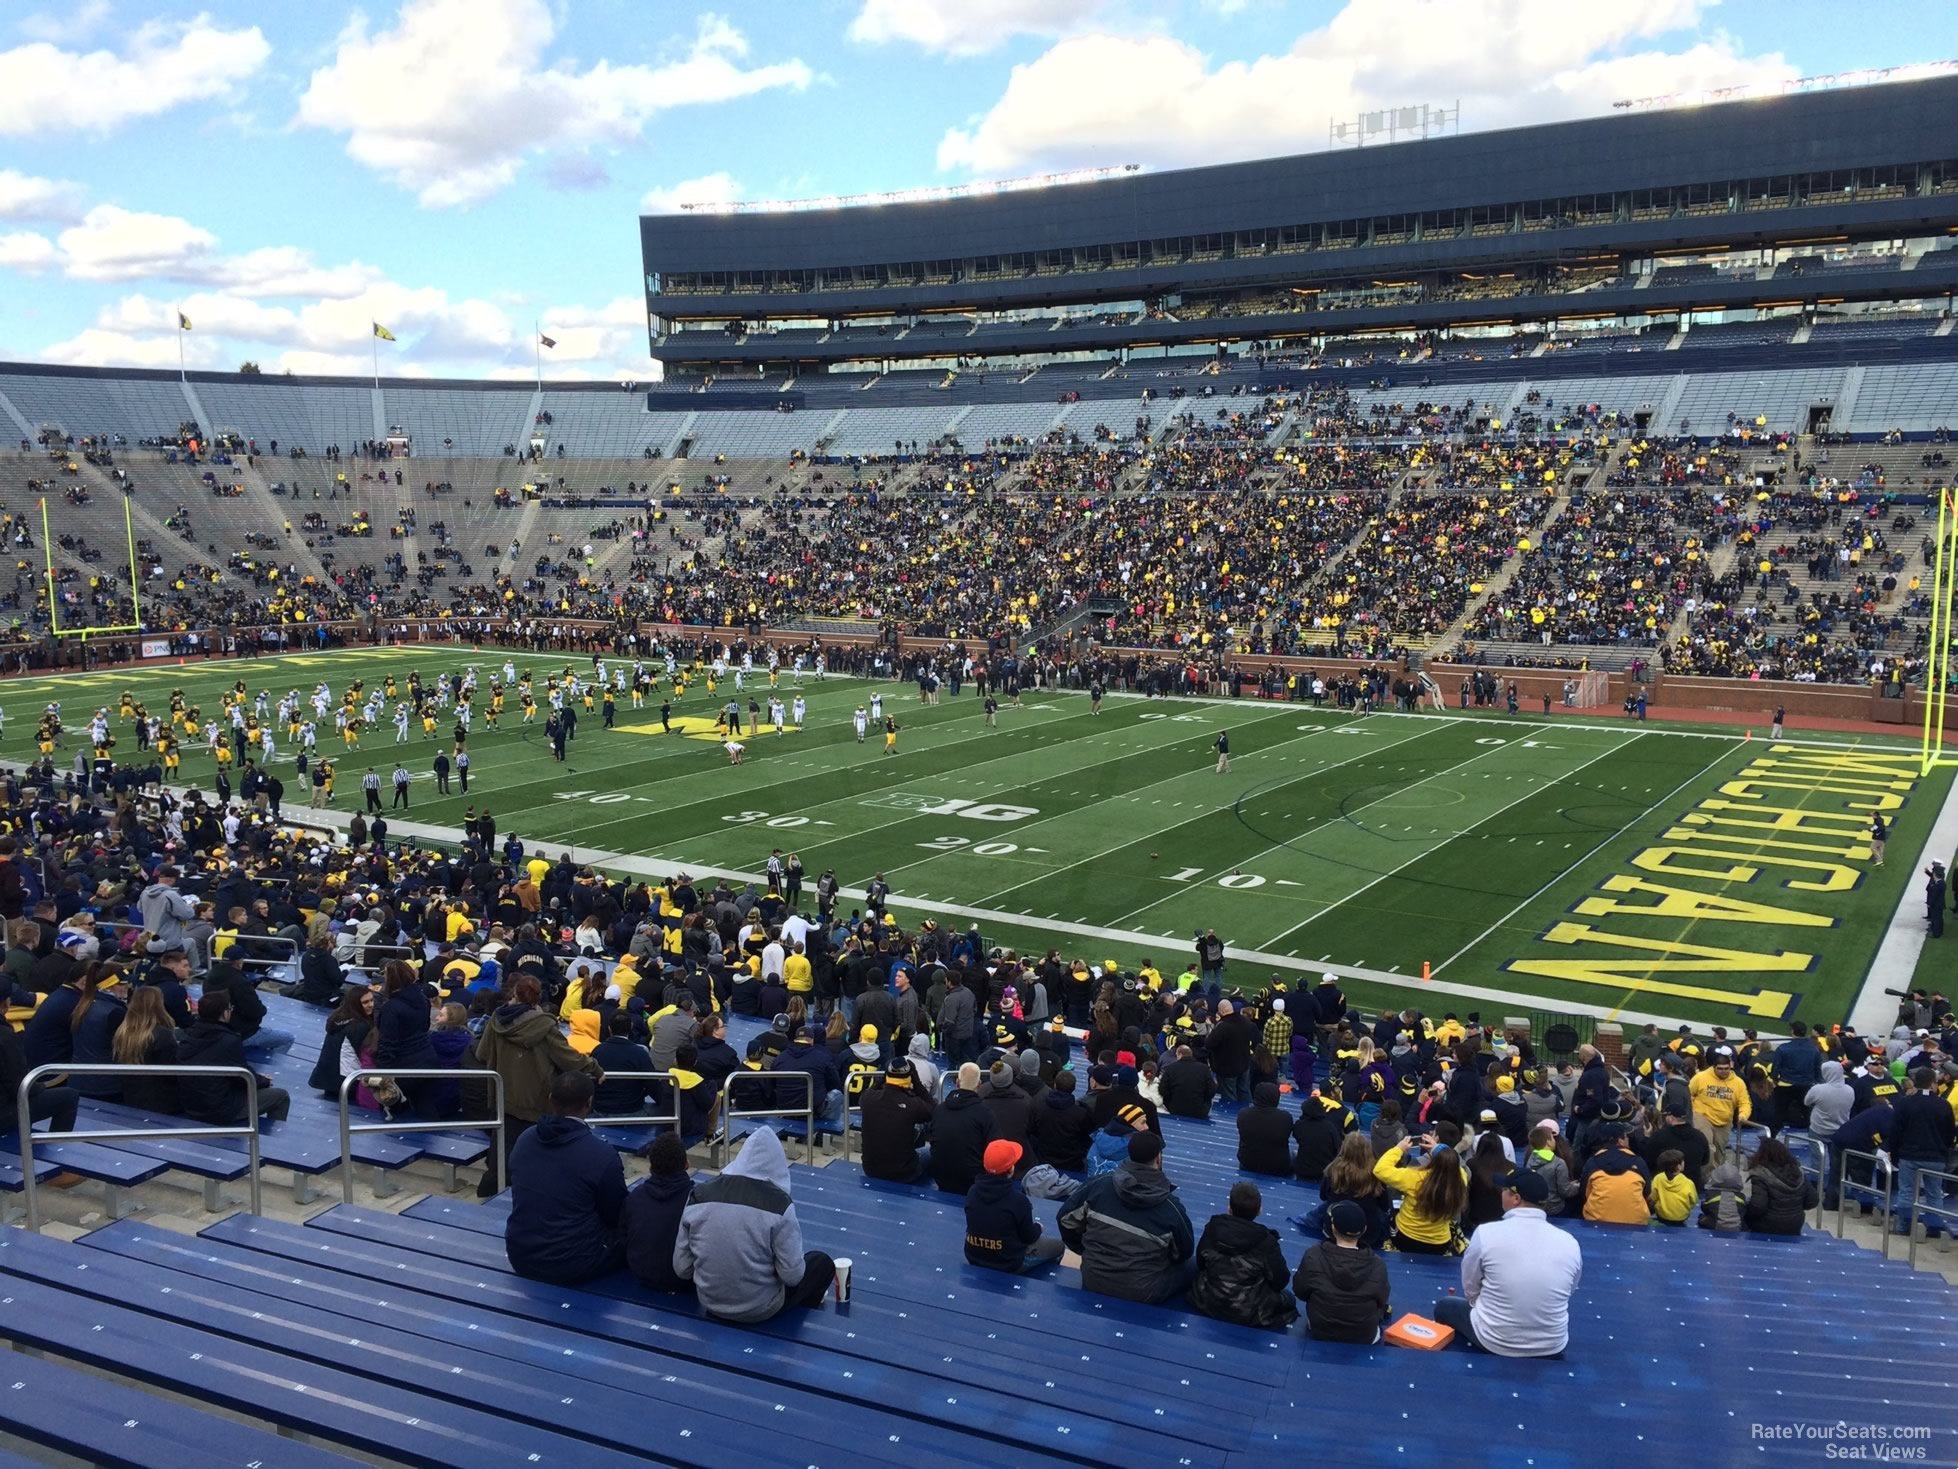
[992,1075]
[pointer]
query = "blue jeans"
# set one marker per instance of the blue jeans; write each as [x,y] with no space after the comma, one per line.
[265,1043]
[1908,1171]
[1453,1312]
[1235,1088]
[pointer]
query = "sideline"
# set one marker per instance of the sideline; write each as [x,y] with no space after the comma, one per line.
[659,867]
[1875,1012]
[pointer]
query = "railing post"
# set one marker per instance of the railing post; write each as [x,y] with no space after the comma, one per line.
[248,1129]
[349,1128]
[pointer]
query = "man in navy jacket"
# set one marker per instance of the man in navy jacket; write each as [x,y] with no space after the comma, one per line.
[567,1193]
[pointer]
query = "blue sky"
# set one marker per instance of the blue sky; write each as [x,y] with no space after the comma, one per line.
[459,168]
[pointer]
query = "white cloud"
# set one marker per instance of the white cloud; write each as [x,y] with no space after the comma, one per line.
[589,337]
[116,244]
[1154,99]
[712,188]
[97,347]
[46,89]
[81,20]
[452,100]
[966,27]
[26,252]
[22,196]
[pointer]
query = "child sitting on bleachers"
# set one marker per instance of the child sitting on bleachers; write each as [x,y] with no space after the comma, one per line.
[1343,1281]
[1725,1198]
[1673,1194]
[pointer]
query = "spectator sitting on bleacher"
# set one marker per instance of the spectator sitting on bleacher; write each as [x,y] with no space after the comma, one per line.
[960,1130]
[567,1193]
[1433,1186]
[1007,1101]
[47,1102]
[320,976]
[1264,1134]
[652,1215]
[618,1051]
[211,1042]
[1188,1086]
[1517,1279]
[349,1031]
[1000,1230]
[1132,1233]
[1061,1127]
[740,1242]
[897,1120]
[1614,1180]
[1343,1281]
[1323,1125]
[523,1045]
[247,1011]
[1241,1270]
[1349,1179]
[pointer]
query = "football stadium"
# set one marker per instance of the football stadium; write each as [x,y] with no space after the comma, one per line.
[1109,819]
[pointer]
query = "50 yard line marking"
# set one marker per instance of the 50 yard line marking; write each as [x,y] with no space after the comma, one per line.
[1527,795]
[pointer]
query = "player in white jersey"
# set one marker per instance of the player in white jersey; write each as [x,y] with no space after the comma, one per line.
[211,738]
[308,736]
[822,667]
[876,706]
[262,705]
[401,724]
[509,671]
[464,713]
[795,672]
[861,721]
[265,742]
[777,714]
[740,678]
[800,710]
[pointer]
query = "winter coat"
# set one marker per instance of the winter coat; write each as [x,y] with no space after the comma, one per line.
[1346,1293]
[960,1130]
[1321,1128]
[1379,1217]
[567,1198]
[1614,1188]
[1554,1172]
[155,1094]
[219,1100]
[740,1242]
[999,1222]
[896,1121]
[523,1045]
[401,1026]
[652,1226]
[1131,1232]
[1691,1144]
[95,1040]
[1061,1129]
[1723,1203]
[1187,1088]
[1777,1199]
[1264,1139]
[336,1060]
[1011,1109]
[1241,1275]
[1108,1149]
[956,1017]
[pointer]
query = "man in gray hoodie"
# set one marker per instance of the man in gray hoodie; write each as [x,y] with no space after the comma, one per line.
[170,917]
[956,1018]
[1829,1102]
[741,1244]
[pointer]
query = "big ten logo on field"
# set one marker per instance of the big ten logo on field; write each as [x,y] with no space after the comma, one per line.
[1790,830]
[928,805]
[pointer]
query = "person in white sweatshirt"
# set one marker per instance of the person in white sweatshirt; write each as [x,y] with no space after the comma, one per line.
[1517,1278]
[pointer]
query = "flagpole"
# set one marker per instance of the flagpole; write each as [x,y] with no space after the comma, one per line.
[537,348]
[182,376]
[374,341]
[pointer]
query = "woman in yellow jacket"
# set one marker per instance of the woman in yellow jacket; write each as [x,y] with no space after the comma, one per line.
[1433,1189]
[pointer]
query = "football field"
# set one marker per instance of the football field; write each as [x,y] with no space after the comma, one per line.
[1580,864]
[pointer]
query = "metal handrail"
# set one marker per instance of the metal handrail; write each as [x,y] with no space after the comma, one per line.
[854,1086]
[349,1128]
[1882,1169]
[807,1110]
[248,1129]
[1945,1211]
[1813,1160]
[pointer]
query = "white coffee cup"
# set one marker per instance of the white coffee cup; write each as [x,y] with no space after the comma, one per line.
[843,1281]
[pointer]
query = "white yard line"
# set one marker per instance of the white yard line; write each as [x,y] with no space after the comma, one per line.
[1427,851]
[1572,866]
[1142,943]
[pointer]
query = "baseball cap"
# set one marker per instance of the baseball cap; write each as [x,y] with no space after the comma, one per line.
[1001,1155]
[1347,1218]
[868,1033]
[1145,1147]
[1527,1186]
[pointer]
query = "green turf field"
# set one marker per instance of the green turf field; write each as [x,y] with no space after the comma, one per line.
[1560,865]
